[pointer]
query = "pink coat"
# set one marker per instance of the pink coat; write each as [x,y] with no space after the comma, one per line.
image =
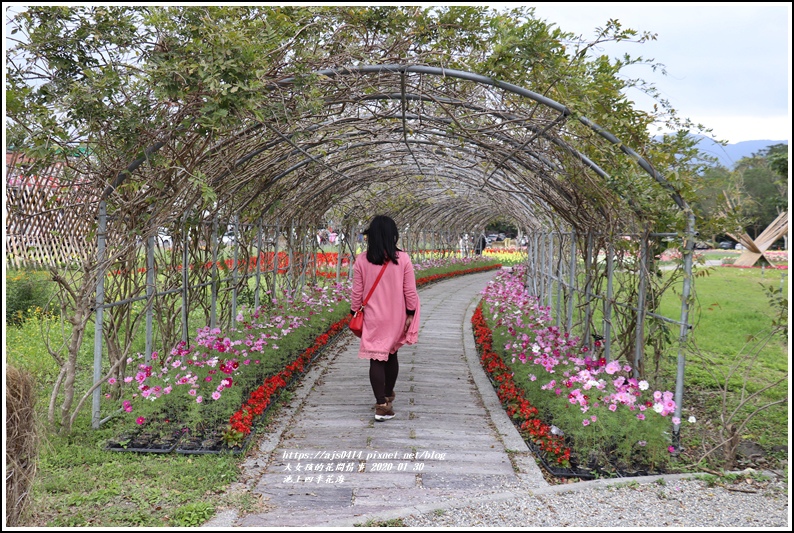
[384,314]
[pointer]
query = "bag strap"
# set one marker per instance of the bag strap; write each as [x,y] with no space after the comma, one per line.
[380,275]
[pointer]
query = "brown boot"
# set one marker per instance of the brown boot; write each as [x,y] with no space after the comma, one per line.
[390,399]
[383,411]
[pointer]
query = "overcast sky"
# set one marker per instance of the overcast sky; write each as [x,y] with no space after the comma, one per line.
[728,64]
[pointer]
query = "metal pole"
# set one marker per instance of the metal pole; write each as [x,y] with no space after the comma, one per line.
[291,255]
[214,286]
[275,261]
[258,261]
[639,337]
[571,284]
[304,261]
[559,280]
[689,247]
[149,295]
[184,280]
[550,271]
[100,300]
[235,271]
[536,282]
[338,258]
[608,302]
[588,289]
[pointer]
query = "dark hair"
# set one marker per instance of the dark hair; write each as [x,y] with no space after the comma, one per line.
[382,236]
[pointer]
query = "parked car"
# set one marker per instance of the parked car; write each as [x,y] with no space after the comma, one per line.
[164,239]
[727,245]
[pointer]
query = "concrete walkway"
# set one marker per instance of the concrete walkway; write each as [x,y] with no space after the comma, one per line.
[327,462]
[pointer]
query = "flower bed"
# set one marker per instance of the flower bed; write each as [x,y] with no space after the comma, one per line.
[550,448]
[582,415]
[192,388]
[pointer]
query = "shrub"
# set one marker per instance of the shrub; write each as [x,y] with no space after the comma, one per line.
[27,293]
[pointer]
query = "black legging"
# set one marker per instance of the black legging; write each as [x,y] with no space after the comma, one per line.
[383,376]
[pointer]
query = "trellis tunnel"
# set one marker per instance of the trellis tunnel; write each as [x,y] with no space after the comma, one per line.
[444,152]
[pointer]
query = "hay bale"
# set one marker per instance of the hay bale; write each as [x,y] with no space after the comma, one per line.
[21,442]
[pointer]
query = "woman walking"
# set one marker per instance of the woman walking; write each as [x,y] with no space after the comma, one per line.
[391,317]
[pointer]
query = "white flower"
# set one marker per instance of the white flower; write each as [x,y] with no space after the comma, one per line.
[658,407]
[643,385]
[692,420]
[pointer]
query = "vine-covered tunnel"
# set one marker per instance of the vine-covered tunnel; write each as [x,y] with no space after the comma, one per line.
[274,133]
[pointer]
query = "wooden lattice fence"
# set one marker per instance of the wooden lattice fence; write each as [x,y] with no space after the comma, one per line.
[44,224]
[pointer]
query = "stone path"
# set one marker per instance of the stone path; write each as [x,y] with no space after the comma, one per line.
[329,463]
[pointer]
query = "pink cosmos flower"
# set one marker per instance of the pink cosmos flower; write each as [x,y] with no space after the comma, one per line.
[657,395]
[585,422]
[216,395]
[140,420]
[192,392]
[594,418]
[640,416]
[112,381]
[199,399]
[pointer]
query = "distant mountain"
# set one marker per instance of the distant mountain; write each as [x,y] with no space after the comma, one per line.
[730,154]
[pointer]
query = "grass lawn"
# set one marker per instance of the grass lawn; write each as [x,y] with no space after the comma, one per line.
[734,317]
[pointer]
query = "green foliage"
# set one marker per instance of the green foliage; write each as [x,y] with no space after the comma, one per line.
[28,294]
[193,514]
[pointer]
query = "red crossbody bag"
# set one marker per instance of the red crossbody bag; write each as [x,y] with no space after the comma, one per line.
[357,321]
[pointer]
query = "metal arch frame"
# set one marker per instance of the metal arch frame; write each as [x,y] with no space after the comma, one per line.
[302,163]
[309,159]
[469,76]
[352,179]
[484,80]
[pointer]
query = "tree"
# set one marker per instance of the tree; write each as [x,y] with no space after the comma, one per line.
[765,187]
